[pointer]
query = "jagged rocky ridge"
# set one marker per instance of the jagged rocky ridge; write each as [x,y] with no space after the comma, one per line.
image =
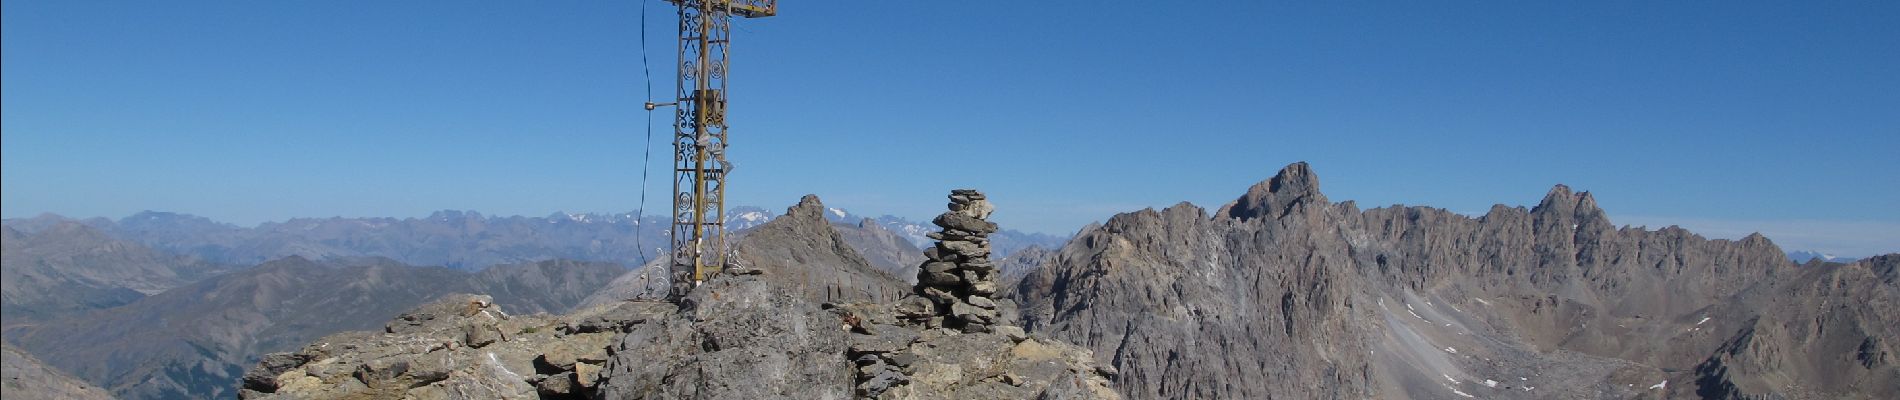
[1283,293]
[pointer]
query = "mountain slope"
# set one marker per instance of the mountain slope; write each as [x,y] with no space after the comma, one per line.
[193,341]
[23,377]
[66,268]
[885,250]
[1284,293]
[1828,332]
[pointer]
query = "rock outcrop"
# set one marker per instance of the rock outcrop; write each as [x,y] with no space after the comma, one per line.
[896,356]
[458,347]
[743,338]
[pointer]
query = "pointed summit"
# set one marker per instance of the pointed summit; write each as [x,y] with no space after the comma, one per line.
[1564,202]
[1294,185]
[1559,197]
[804,247]
[808,207]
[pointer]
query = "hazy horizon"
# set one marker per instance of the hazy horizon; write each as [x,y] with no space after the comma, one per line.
[1738,117]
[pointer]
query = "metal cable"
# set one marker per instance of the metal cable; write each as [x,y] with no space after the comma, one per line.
[646,160]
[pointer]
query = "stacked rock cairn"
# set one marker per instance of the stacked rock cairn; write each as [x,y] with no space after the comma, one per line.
[957,275]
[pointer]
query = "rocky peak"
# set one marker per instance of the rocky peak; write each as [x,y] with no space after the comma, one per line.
[803,249]
[808,208]
[1294,186]
[1564,202]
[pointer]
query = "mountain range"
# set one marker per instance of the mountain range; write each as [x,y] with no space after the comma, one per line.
[465,240]
[1281,293]
[1803,256]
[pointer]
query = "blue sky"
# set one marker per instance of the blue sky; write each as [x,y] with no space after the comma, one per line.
[1726,117]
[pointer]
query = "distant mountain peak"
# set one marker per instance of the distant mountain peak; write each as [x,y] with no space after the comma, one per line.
[808,207]
[1294,185]
[1803,256]
[1562,197]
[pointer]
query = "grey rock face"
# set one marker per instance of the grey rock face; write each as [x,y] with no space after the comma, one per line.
[1284,294]
[744,338]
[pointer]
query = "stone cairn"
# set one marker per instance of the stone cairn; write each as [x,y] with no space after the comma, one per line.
[957,275]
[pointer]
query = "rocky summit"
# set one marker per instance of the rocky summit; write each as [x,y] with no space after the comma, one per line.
[748,333]
[458,347]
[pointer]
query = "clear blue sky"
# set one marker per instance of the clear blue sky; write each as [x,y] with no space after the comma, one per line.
[1728,117]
